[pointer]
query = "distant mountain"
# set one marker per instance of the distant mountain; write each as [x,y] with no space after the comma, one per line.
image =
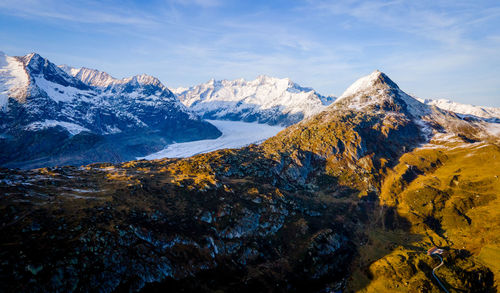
[50,117]
[489,113]
[265,100]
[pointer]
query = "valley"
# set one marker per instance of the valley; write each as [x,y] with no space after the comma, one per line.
[235,134]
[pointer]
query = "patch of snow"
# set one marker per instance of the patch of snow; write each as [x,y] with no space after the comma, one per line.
[14,80]
[69,70]
[111,129]
[60,93]
[493,129]
[426,129]
[70,127]
[79,190]
[179,90]
[235,134]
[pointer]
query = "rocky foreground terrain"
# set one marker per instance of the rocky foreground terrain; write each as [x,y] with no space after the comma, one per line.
[347,200]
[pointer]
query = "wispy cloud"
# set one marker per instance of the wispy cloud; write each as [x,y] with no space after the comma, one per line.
[319,43]
[91,12]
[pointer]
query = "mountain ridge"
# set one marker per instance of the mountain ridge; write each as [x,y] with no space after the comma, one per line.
[491,113]
[42,100]
[265,100]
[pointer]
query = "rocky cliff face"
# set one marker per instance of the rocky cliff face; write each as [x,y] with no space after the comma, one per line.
[50,117]
[349,199]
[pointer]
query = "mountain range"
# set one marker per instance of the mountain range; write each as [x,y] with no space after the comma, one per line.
[49,117]
[491,114]
[349,199]
[273,101]
[55,115]
[266,99]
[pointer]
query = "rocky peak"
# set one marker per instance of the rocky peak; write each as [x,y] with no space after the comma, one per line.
[37,66]
[377,92]
[145,79]
[34,61]
[94,77]
[375,81]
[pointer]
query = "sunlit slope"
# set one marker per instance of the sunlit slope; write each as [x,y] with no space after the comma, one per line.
[446,193]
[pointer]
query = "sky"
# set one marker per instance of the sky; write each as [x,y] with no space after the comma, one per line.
[431,49]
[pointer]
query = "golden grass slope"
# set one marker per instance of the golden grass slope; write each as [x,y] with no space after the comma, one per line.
[448,191]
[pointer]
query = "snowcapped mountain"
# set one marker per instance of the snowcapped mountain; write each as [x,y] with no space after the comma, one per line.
[265,100]
[367,128]
[42,104]
[489,113]
[377,93]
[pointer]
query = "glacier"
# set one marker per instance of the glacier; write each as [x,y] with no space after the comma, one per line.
[235,134]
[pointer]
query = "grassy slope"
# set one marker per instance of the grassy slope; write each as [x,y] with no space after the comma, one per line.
[448,193]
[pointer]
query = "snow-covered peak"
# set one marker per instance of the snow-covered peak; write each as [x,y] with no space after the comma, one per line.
[34,60]
[81,99]
[41,68]
[101,79]
[146,79]
[265,79]
[378,91]
[376,79]
[265,99]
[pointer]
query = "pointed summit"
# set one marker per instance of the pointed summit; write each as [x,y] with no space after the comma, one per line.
[34,61]
[376,79]
[377,92]
[42,68]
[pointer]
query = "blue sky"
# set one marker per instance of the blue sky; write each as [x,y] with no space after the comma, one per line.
[433,49]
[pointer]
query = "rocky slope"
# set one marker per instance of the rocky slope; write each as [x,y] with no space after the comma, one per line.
[264,100]
[49,117]
[347,200]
